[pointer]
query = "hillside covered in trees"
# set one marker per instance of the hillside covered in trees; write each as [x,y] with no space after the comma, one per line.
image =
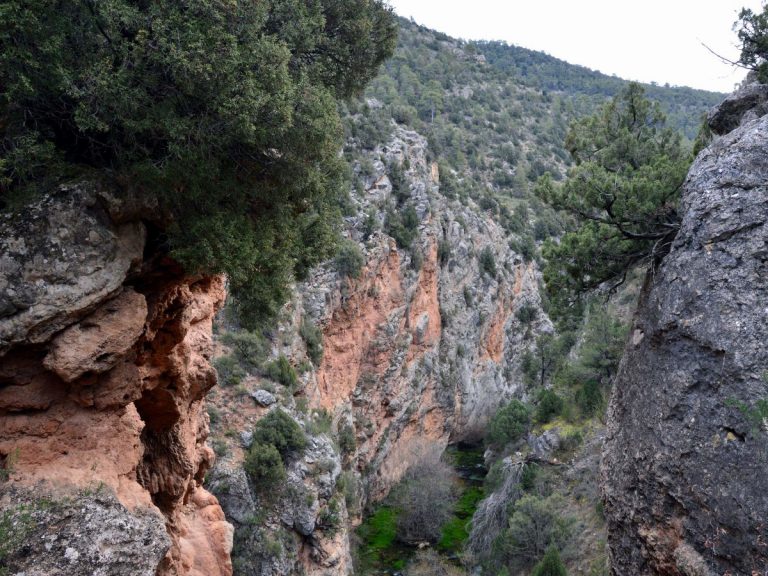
[306,288]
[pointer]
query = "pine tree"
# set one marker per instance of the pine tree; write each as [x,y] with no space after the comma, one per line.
[623,192]
[224,112]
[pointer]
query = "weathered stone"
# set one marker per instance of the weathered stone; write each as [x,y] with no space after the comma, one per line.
[59,259]
[263,397]
[684,471]
[93,535]
[747,103]
[100,340]
[105,367]
[544,444]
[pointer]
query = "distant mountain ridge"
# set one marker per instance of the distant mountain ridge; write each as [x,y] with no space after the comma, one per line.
[540,70]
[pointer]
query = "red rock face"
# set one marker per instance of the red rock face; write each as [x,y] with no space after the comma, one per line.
[116,401]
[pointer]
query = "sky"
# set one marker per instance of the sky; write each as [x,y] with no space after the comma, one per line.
[646,40]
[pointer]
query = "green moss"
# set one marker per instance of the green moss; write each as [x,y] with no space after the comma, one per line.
[380,529]
[456,531]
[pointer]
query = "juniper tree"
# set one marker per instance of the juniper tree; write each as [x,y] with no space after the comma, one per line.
[224,111]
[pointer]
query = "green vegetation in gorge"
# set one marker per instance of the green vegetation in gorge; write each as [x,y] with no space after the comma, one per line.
[433,503]
[276,438]
[225,112]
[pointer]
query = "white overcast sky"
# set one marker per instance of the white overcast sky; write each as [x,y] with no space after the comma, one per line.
[645,40]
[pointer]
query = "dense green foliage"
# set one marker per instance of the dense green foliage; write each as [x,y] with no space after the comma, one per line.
[313,338]
[508,425]
[278,429]
[281,371]
[623,192]
[539,70]
[534,526]
[550,405]
[487,262]
[550,565]
[264,465]
[249,349]
[349,259]
[752,31]
[226,112]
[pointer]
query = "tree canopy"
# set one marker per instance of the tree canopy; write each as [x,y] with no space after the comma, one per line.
[623,192]
[225,111]
[752,31]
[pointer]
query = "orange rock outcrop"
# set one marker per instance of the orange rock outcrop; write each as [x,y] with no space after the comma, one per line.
[114,399]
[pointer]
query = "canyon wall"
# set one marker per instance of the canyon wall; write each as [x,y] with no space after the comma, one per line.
[684,463]
[104,368]
[419,350]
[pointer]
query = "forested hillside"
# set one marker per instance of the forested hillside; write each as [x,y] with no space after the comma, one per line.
[496,118]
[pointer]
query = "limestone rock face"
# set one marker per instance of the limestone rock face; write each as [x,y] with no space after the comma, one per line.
[104,368]
[59,259]
[684,464]
[89,536]
[419,350]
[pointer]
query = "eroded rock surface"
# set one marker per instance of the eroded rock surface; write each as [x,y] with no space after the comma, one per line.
[419,350]
[684,464]
[104,369]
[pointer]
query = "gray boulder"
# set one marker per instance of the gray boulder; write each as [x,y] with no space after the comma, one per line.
[263,397]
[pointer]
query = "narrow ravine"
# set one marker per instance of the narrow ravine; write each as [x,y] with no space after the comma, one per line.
[379,551]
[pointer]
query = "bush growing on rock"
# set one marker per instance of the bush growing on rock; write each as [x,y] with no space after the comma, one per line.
[229,370]
[550,565]
[264,465]
[347,440]
[589,398]
[403,226]
[488,262]
[249,348]
[313,338]
[550,406]
[281,431]
[508,425]
[281,371]
[534,526]
[349,259]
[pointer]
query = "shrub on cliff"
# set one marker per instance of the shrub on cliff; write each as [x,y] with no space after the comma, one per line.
[264,465]
[281,371]
[534,526]
[622,191]
[225,111]
[349,259]
[753,35]
[508,425]
[487,262]
[278,429]
[550,406]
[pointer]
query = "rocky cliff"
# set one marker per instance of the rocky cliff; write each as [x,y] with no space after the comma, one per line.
[104,368]
[419,350]
[684,462]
